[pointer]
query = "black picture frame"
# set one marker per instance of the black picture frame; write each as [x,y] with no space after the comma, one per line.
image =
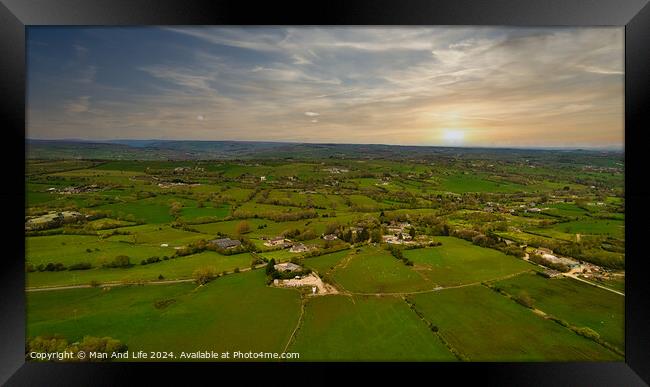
[634,15]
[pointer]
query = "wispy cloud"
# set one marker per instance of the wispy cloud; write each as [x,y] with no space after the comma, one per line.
[79,105]
[400,85]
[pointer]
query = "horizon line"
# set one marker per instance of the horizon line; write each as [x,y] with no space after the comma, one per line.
[618,148]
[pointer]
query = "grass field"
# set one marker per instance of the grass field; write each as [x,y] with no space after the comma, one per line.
[575,302]
[374,270]
[235,312]
[610,227]
[485,326]
[365,328]
[176,268]
[460,183]
[148,210]
[193,213]
[151,209]
[325,263]
[69,249]
[459,262]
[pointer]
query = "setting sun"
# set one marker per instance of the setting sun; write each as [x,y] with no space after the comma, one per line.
[453,135]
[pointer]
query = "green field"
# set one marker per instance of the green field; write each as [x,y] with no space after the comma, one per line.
[459,262]
[193,213]
[172,269]
[156,206]
[374,270]
[461,183]
[575,302]
[327,262]
[147,210]
[235,312]
[485,326]
[614,228]
[363,329]
[69,249]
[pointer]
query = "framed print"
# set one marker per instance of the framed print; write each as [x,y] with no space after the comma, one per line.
[374,187]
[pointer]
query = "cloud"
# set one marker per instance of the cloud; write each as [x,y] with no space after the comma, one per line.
[300,60]
[598,70]
[80,105]
[403,85]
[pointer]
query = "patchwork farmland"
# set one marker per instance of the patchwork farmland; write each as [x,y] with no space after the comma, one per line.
[439,257]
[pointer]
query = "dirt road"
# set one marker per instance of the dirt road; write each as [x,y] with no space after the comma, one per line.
[570,275]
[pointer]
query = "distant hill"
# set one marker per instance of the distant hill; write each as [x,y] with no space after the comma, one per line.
[224,150]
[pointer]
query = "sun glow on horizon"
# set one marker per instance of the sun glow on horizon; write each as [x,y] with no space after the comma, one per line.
[453,136]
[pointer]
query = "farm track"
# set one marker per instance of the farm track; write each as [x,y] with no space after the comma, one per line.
[303,301]
[575,277]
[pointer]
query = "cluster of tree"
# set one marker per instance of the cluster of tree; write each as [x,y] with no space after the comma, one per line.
[398,254]
[523,298]
[513,250]
[289,203]
[194,248]
[175,209]
[58,221]
[203,275]
[300,235]
[80,266]
[120,261]
[242,227]
[421,245]
[154,259]
[257,260]
[48,267]
[29,267]
[89,344]
[434,225]
[55,231]
[113,233]
[359,234]
[277,216]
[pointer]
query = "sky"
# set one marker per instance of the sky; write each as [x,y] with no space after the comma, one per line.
[445,86]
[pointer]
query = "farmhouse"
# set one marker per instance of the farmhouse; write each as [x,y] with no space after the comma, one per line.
[392,239]
[77,190]
[226,243]
[277,241]
[299,248]
[288,267]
